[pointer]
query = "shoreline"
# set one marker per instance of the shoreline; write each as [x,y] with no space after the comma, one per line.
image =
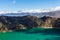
[4,31]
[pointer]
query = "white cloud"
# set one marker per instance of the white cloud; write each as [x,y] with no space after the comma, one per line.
[41,10]
[33,10]
[36,10]
[2,12]
[56,8]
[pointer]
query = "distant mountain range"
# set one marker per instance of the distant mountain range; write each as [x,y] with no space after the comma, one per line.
[51,14]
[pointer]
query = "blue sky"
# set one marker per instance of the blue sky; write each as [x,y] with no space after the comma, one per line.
[16,5]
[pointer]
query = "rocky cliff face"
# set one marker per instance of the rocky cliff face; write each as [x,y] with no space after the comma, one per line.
[27,22]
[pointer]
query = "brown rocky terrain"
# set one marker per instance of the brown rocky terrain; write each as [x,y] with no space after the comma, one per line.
[17,23]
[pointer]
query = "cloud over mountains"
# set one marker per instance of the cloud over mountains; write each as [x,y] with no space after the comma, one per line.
[34,10]
[42,10]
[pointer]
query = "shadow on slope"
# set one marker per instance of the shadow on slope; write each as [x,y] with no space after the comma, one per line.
[45,31]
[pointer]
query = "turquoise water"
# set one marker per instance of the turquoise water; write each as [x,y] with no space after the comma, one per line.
[31,35]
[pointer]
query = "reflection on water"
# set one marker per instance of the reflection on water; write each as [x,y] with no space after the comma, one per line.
[33,34]
[54,34]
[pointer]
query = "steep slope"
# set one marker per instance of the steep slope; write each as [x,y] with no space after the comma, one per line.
[15,23]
